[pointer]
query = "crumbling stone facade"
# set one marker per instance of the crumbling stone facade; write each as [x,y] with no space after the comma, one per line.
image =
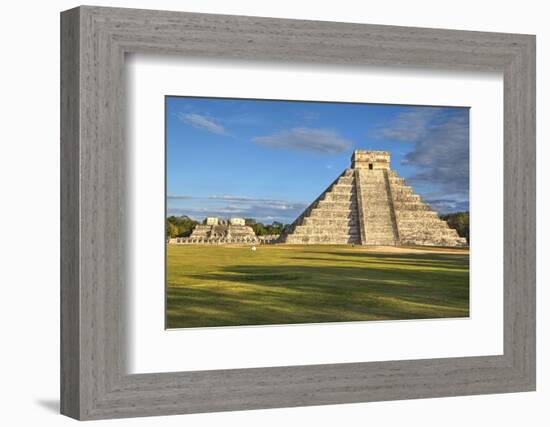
[369,204]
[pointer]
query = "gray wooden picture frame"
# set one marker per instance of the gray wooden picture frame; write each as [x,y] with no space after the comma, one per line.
[94,381]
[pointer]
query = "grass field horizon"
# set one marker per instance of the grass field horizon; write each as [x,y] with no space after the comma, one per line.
[231,285]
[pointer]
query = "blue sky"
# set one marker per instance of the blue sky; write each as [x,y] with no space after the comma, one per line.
[269,160]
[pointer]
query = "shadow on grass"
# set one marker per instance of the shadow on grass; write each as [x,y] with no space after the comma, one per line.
[431,257]
[385,286]
[390,263]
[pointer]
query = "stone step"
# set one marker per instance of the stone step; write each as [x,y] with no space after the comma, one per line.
[377,217]
[380,242]
[336,213]
[323,232]
[323,238]
[343,184]
[377,210]
[425,233]
[350,192]
[307,229]
[336,197]
[375,200]
[379,230]
[336,205]
[403,198]
[414,215]
[339,193]
[427,236]
[380,237]
[345,180]
[418,216]
[415,224]
[370,188]
[410,207]
[333,213]
[396,189]
[328,222]
[426,225]
[401,188]
[313,239]
[433,242]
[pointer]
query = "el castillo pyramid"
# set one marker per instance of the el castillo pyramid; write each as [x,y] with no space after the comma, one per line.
[368,204]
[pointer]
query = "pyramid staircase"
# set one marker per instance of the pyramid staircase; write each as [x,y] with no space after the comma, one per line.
[369,204]
[375,208]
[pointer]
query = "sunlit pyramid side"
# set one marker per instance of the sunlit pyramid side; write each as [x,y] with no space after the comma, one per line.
[369,204]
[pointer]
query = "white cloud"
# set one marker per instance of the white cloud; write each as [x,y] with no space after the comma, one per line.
[202,122]
[408,126]
[441,150]
[441,156]
[241,206]
[319,140]
[443,206]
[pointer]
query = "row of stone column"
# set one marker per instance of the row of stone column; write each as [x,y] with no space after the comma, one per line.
[213,240]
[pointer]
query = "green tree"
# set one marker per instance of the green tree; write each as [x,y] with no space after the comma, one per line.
[259,229]
[171,230]
[182,226]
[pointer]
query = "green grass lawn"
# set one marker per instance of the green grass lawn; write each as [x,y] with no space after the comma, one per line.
[222,286]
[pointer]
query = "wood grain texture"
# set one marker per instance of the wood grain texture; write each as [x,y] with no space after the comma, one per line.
[94,266]
[70,291]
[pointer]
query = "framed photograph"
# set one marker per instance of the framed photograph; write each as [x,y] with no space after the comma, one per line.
[262,213]
[302,242]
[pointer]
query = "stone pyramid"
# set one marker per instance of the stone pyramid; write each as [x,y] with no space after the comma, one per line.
[369,204]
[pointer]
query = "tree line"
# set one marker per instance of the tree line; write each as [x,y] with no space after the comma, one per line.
[179,226]
[182,226]
[266,229]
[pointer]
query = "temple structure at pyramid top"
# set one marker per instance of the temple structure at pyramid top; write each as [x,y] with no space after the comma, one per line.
[372,160]
[369,204]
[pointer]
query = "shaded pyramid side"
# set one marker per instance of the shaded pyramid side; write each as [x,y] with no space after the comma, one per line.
[331,219]
[417,223]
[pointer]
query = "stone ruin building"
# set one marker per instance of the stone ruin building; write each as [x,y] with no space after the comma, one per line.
[369,204]
[217,231]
